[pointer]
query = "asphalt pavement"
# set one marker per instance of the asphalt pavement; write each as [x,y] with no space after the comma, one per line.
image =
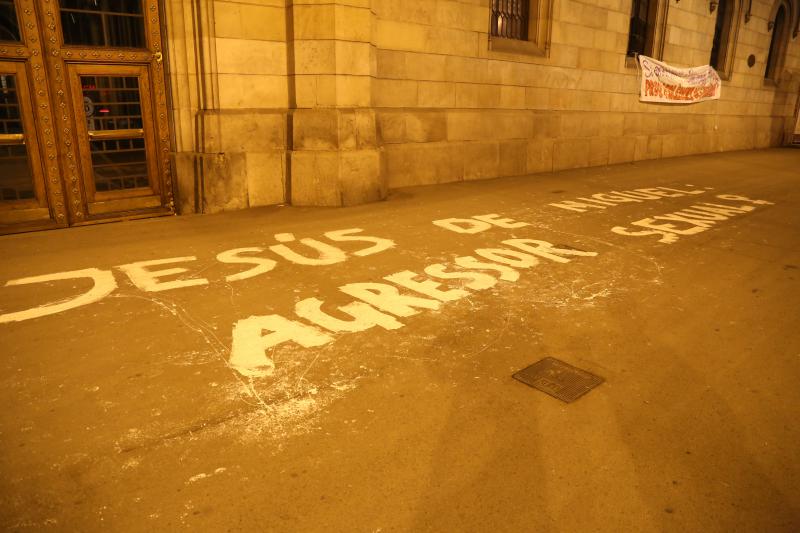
[350,369]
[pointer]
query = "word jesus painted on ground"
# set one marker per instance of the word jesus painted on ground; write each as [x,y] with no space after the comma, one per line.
[381,304]
[605,200]
[150,275]
[692,220]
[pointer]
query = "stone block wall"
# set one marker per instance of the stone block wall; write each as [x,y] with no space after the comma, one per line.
[335,159]
[451,108]
[230,99]
[332,102]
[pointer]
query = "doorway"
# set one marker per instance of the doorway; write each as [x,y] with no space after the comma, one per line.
[84,135]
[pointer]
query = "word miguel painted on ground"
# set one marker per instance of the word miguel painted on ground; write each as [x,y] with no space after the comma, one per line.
[147,276]
[399,295]
[604,200]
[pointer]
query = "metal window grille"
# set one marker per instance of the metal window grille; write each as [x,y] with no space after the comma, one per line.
[510,19]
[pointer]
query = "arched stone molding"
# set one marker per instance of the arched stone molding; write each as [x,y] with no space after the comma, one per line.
[779,42]
[793,15]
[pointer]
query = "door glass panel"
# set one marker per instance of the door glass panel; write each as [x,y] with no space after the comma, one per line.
[116,137]
[9,25]
[111,102]
[119,164]
[16,180]
[117,23]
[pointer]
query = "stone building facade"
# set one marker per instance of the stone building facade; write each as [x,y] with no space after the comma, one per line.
[335,102]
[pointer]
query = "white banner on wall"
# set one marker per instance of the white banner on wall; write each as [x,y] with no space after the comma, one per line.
[666,84]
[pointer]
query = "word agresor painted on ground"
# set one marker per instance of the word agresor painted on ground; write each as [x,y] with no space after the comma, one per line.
[380,304]
[692,220]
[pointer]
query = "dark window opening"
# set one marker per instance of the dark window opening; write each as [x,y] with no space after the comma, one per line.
[116,23]
[9,25]
[721,32]
[642,23]
[510,19]
[776,44]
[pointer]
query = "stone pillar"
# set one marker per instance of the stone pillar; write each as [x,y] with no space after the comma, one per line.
[229,91]
[335,159]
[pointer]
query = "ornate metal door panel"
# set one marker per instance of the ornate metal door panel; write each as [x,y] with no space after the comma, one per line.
[96,64]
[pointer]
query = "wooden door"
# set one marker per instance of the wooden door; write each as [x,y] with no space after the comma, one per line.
[31,192]
[117,143]
[107,78]
[22,186]
[88,86]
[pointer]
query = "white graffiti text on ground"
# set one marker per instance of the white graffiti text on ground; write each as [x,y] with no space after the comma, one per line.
[604,200]
[148,275]
[692,220]
[381,304]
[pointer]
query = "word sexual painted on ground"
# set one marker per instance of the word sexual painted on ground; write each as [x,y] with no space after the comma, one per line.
[399,295]
[148,275]
[692,220]
[605,200]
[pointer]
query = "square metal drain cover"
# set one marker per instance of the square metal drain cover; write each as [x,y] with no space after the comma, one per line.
[558,379]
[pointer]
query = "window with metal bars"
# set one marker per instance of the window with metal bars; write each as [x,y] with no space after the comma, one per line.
[510,19]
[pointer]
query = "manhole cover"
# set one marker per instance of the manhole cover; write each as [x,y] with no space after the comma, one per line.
[558,379]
